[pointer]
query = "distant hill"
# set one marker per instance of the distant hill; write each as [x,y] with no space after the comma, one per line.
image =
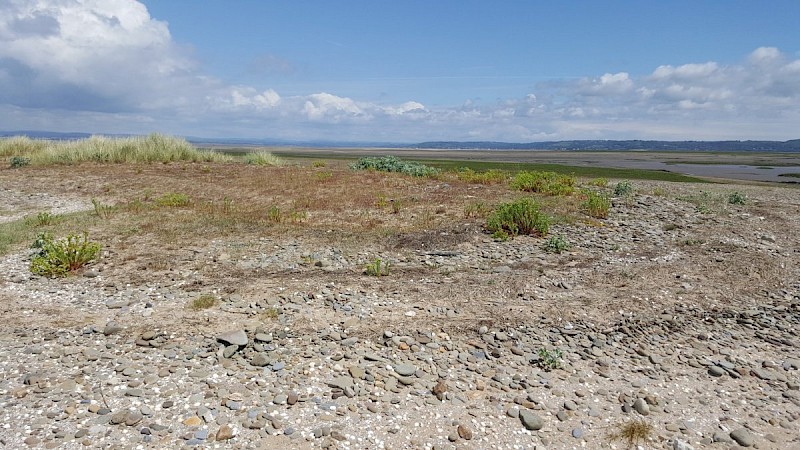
[577,145]
[631,145]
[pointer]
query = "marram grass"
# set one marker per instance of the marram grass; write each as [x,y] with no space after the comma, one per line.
[149,149]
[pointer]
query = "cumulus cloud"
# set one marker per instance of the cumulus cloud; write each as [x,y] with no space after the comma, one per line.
[108,66]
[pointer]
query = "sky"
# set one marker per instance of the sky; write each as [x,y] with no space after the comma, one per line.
[403,71]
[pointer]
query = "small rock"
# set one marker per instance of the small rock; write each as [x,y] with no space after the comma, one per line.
[464,432]
[641,407]
[405,370]
[234,337]
[742,437]
[530,420]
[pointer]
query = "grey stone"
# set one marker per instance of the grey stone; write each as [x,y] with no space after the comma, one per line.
[405,369]
[233,337]
[742,437]
[641,407]
[530,420]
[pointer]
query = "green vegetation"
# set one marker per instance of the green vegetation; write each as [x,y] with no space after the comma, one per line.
[262,158]
[579,171]
[59,258]
[623,189]
[394,164]
[549,183]
[150,149]
[549,359]
[521,216]
[202,302]
[599,182]
[556,244]
[737,198]
[45,218]
[173,200]
[19,161]
[377,268]
[102,211]
[596,205]
[491,176]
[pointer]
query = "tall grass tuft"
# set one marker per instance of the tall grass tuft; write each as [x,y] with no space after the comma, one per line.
[153,148]
[263,159]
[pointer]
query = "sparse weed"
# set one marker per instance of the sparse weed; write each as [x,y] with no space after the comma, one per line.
[102,211]
[477,210]
[274,214]
[623,189]
[737,198]
[45,218]
[202,302]
[557,244]
[377,268]
[634,433]
[549,359]
[596,205]
[659,191]
[318,164]
[173,200]
[491,176]
[549,183]
[270,314]
[59,258]
[323,175]
[521,216]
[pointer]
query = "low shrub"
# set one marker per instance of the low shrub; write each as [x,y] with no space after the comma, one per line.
[394,164]
[202,302]
[377,268]
[556,244]
[521,216]
[59,258]
[737,198]
[20,161]
[596,205]
[549,183]
[173,199]
[623,189]
[599,182]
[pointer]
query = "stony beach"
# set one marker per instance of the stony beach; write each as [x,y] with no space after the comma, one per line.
[685,320]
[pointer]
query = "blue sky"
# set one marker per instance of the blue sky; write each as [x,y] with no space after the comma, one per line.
[403,71]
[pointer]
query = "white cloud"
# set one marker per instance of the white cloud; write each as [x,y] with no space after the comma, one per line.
[108,66]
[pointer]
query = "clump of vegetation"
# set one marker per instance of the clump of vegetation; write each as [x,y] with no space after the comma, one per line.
[102,211]
[549,183]
[276,215]
[59,258]
[737,198]
[491,176]
[45,218]
[623,189]
[394,164]
[556,244]
[633,433]
[262,158]
[599,182]
[173,199]
[319,164]
[549,359]
[153,148]
[20,161]
[377,268]
[596,205]
[270,314]
[521,216]
[202,302]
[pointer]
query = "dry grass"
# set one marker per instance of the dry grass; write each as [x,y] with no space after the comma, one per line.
[633,433]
